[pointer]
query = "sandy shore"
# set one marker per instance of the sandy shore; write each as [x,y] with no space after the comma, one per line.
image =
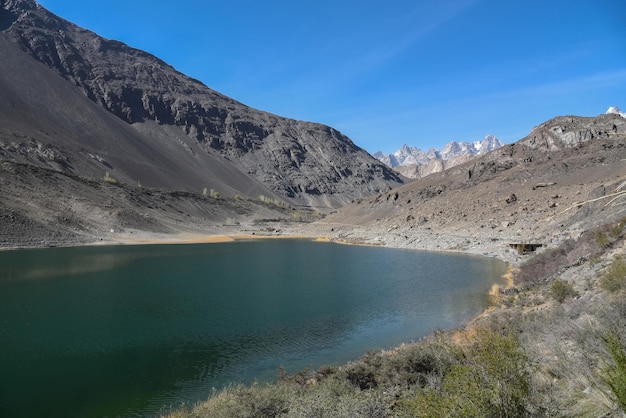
[347,235]
[198,238]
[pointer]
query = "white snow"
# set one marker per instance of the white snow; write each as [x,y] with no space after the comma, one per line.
[409,155]
[615,110]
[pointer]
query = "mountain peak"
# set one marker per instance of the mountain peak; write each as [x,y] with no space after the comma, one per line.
[410,155]
[616,110]
[451,154]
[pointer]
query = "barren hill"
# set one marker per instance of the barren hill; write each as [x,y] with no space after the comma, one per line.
[98,138]
[540,189]
[170,131]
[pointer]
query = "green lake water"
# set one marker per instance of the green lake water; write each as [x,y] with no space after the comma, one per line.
[133,330]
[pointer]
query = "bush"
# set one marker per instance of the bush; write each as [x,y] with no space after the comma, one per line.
[420,365]
[261,401]
[602,240]
[491,381]
[362,375]
[616,374]
[561,290]
[617,231]
[591,245]
[543,266]
[615,277]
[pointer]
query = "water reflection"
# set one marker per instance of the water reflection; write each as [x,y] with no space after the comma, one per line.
[58,262]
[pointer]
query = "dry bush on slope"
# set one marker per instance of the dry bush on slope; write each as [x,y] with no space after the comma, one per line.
[546,266]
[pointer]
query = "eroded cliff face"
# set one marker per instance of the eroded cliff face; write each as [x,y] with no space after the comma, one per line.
[307,162]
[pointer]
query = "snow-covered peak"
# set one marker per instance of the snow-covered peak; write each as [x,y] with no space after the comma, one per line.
[456,149]
[488,144]
[406,155]
[615,110]
[409,155]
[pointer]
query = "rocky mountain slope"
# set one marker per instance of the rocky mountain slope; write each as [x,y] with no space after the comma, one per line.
[414,163]
[170,131]
[550,186]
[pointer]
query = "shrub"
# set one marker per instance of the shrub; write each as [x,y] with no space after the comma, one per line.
[590,246]
[420,364]
[561,290]
[362,375]
[618,230]
[615,277]
[339,399]
[492,381]
[602,240]
[616,374]
[262,401]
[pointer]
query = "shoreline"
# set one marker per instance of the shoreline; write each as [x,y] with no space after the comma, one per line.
[375,240]
[459,332]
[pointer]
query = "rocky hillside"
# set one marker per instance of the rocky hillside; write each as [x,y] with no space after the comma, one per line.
[302,162]
[414,163]
[550,186]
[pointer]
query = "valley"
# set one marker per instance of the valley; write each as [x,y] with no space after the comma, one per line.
[101,143]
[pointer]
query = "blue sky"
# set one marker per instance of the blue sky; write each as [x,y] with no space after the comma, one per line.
[391,72]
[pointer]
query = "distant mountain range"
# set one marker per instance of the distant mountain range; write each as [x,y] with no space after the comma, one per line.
[414,163]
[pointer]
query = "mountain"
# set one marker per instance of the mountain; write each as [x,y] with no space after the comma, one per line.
[404,156]
[567,176]
[616,111]
[414,163]
[175,132]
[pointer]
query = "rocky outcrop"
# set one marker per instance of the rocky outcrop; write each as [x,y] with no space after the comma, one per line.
[307,162]
[571,131]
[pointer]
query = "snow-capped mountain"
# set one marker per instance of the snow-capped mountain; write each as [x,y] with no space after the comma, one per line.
[413,162]
[404,156]
[615,110]
[408,155]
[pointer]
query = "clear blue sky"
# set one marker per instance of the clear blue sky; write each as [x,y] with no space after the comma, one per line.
[391,72]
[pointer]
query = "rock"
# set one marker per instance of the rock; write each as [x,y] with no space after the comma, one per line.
[512,198]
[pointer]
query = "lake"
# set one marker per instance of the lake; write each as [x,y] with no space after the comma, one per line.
[123,330]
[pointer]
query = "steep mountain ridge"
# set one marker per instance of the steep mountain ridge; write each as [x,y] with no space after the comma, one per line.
[413,162]
[309,163]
